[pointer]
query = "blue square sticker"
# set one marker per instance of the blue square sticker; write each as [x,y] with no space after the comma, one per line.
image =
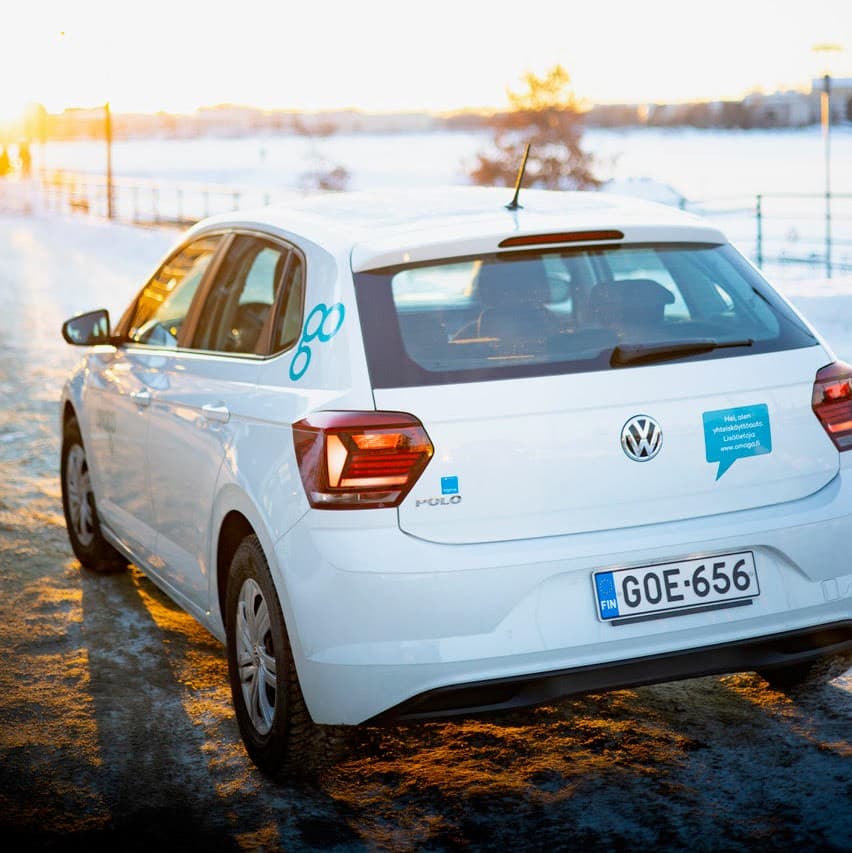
[607,599]
[449,485]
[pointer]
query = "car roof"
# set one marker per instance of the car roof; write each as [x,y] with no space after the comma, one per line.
[388,227]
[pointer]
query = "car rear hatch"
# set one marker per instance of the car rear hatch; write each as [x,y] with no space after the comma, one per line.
[594,389]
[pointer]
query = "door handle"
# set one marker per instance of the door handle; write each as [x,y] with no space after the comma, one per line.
[216,412]
[141,398]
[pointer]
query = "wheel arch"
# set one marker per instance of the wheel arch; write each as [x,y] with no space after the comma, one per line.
[69,413]
[234,517]
[233,529]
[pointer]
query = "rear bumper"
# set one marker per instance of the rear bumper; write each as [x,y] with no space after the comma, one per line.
[382,623]
[520,691]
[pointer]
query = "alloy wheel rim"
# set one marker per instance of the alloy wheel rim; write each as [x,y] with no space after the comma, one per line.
[80,497]
[256,657]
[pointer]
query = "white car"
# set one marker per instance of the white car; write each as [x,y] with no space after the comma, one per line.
[418,455]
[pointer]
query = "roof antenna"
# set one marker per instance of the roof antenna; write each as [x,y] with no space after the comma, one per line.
[513,204]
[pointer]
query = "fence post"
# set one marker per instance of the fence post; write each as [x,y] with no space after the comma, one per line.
[759,217]
[236,201]
[827,234]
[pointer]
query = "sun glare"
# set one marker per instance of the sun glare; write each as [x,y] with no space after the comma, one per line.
[376,59]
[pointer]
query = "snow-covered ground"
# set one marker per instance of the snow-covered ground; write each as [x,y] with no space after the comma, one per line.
[115,719]
[717,173]
[699,164]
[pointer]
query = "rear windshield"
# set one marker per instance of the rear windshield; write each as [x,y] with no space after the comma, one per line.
[508,315]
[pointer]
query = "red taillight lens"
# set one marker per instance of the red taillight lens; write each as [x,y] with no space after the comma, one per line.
[832,402]
[360,460]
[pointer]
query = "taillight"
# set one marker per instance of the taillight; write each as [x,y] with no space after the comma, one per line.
[832,402]
[360,460]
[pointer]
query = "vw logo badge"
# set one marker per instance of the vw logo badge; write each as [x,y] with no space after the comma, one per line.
[641,438]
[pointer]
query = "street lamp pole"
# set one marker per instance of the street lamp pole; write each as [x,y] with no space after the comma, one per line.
[825,104]
[825,117]
[108,136]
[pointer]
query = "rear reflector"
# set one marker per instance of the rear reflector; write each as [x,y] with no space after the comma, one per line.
[562,237]
[832,402]
[360,460]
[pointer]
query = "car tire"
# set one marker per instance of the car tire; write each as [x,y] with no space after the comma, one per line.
[802,677]
[78,503]
[275,724]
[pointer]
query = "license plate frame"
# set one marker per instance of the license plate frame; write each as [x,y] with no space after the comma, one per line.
[678,588]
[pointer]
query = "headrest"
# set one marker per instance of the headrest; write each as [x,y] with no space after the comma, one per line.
[638,299]
[513,284]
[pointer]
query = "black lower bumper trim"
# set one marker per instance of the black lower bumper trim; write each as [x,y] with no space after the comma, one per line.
[790,647]
[686,611]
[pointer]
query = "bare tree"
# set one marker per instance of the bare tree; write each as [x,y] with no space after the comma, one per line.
[323,175]
[546,115]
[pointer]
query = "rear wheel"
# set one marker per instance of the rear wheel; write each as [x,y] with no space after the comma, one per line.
[276,728]
[801,677]
[78,503]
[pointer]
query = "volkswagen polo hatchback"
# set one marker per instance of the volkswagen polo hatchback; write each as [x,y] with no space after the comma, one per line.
[418,455]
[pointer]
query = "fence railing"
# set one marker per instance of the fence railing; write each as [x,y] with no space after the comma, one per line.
[805,216]
[153,202]
[774,229]
[783,230]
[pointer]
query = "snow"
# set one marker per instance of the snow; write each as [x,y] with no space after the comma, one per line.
[827,304]
[699,164]
[711,172]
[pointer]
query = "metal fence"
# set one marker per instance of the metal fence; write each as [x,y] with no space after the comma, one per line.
[779,231]
[151,202]
[786,231]
[811,228]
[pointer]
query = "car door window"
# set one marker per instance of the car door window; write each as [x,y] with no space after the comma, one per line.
[161,308]
[288,324]
[242,297]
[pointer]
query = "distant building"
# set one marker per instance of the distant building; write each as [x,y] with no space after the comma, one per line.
[841,97]
[780,109]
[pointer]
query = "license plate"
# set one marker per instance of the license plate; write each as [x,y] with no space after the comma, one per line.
[674,589]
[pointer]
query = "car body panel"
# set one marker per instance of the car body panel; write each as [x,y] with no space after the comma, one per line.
[391,629]
[118,434]
[198,409]
[548,457]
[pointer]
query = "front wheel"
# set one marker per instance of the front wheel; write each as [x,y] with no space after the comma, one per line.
[274,722]
[78,503]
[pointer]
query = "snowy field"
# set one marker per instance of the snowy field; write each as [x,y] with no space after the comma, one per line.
[699,164]
[717,173]
[116,729]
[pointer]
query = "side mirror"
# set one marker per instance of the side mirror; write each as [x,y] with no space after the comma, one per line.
[86,330]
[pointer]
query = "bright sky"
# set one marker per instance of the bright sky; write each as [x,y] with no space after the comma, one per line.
[387,55]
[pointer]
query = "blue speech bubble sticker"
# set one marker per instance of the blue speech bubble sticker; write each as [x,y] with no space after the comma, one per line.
[731,434]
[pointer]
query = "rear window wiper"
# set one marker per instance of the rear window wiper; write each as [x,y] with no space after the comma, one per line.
[647,353]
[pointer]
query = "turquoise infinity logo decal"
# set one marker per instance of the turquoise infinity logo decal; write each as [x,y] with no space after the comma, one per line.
[322,324]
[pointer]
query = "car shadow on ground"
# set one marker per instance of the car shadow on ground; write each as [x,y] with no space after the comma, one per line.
[155,757]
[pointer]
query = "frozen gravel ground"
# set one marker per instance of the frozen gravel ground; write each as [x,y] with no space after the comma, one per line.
[116,729]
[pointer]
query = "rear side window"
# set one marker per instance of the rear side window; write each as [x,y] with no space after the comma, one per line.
[242,297]
[508,315]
